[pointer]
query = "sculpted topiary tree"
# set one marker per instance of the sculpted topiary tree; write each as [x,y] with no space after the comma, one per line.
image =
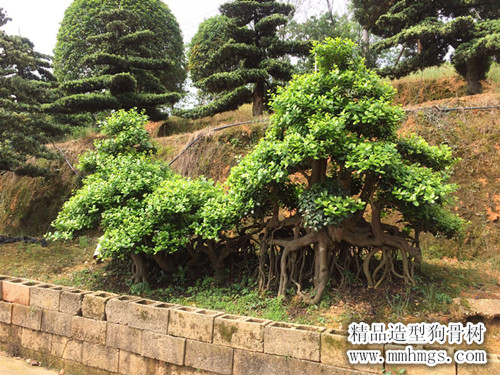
[329,171]
[119,54]
[143,208]
[25,85]
[425,30]
[237,57]
[330,192]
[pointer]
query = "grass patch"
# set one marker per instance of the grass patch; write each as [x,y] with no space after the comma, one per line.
[494,76]
[239,298]
[42,263]
[433,72]
[439,82]
[78,132]
[438,283]
[474,138]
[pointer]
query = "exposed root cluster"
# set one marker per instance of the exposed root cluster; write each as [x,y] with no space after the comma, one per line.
[292,256]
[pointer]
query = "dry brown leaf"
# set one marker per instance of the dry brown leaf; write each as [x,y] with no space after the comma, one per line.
[493,215]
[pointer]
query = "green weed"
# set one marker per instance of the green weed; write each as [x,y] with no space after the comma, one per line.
[493,75]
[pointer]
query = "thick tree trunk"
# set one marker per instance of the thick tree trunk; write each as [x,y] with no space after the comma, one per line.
[473,76]
[258,99]
[318,172]
[139,271]
[167,266]
[217,259]
[366,42]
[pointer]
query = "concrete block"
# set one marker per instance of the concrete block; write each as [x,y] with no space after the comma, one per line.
[149,315]
[422,369]
[17,291]
[66,348]
[132,364]
[294,340]
[240,332]
[5,312]
[94,305]
[35,340]
[27,316]
[192,323]
[334,347]
[210,357]
[89,330]
[2,279]
[5,332]
[77,368]
[45,296]
[254,363]
[71,301]
[445,369]
[155,367]
[118,309]
[164,348]
[16,334]
[125,338]
[169,369]
[56,322]
[492,367]
[301,367]
[100,356]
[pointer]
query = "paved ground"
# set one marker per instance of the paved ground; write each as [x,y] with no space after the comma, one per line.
[18,366]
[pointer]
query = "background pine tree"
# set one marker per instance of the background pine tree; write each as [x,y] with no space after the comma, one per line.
[25,85]
[426,31]
[130,55]
[237,57]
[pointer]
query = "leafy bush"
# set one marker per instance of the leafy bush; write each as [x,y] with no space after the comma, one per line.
[142,206]
[330,168]
[316,194]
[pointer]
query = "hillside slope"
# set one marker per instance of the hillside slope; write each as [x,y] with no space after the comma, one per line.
[474,136]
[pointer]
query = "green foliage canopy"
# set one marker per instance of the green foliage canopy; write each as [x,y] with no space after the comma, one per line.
[142,206]
[25,85]
[238,55]
[318,28]
[427,29]
[332,160]
[119,54]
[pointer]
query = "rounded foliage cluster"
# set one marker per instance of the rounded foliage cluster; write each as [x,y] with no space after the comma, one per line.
[83,18]
[343,115]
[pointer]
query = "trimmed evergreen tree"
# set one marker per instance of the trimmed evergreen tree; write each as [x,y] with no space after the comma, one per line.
[119,54]
[426,30]
[237,57]
[25,84]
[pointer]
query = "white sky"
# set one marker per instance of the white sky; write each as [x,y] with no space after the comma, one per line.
[38,20]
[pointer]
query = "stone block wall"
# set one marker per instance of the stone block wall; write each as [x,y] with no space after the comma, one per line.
[103,333]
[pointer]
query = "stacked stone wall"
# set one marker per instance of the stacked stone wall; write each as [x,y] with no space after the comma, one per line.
[103,333]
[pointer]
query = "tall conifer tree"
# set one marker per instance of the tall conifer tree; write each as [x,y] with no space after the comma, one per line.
[25,85]
[426,29]
[119,54]
[237,57]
